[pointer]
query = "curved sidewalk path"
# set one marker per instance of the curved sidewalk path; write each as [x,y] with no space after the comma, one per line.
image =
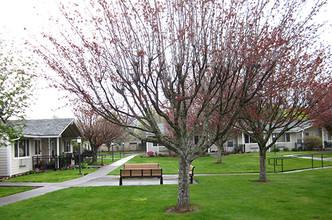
[51,187]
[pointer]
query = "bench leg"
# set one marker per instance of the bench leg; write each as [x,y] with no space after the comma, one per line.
[161,180]
[120,181]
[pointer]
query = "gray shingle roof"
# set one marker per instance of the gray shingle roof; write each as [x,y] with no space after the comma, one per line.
[304,125]
[51,128]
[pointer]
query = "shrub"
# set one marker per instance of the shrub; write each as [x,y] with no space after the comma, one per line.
[95,164]
[276,149]
[84,165]
[150,153]
[311,142]
[173,154]
[88,161]
[295,149]
[70,167]
[286,149]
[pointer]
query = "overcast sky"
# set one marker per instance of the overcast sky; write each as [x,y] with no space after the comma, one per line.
[32,15]
[23,20]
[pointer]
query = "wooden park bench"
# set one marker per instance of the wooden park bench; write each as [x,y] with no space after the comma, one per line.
[141,171]
[191,173]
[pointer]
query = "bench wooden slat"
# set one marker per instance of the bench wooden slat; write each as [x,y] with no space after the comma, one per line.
[191,173]
[141,170]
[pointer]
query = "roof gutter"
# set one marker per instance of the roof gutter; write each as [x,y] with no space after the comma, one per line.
[36,136]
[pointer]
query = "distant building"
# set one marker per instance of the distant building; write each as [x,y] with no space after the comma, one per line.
[291,139]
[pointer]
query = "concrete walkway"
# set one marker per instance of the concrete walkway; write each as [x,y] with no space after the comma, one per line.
[44,188]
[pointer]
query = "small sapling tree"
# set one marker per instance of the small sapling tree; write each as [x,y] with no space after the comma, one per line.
[96,129]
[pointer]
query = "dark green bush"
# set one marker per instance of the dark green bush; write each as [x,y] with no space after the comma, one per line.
[276,149]
[311,142]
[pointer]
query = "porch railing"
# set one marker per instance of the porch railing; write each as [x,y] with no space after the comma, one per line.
[51,162]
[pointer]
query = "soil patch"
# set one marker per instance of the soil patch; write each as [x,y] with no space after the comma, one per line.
[174,210]
[260,181]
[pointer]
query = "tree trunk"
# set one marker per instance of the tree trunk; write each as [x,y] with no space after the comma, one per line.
[95,154]
[220,145]
[183,203]
[262,159]
[220,152]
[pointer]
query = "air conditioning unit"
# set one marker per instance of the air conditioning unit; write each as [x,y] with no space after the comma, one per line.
[22,163]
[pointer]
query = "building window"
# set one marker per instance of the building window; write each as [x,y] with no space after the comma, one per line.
[16,148]
[229,143]
[196,139]
[329,137]
[156,144]
[52,144]
[21,148]
[37,147]
[67,146]
[284,138]
[248,139]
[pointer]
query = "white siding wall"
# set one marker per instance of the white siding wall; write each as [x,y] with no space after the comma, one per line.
[156,149]
[283,145]
[312,132]
[20,164]
[150,147]
[251,147]
[3,161]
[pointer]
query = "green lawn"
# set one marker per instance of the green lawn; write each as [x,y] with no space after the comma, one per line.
[305,195]
[106,161]
[233,163]
[6,191]
[51,176]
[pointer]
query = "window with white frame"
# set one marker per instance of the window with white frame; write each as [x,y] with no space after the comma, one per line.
[284,138]
[37,146]
[21,148]
[67,146]
[196,139]
[230,144]
[248,139]
[329,137]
